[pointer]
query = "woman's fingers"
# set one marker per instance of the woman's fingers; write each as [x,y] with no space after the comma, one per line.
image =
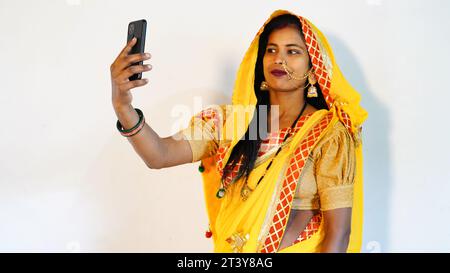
[121,69]
[123,53]
[124,66]
[134,69]
[133,58]
[127,48]
[125,62]
[133,84]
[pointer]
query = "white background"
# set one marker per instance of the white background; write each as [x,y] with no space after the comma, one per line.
[70,182]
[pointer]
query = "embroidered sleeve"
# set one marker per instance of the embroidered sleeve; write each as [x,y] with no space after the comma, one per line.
[203,132]
[335,170]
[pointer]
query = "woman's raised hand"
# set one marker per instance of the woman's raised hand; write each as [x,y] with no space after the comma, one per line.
[122,69]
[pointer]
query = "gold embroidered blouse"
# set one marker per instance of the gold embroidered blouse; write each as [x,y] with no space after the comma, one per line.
[327,179]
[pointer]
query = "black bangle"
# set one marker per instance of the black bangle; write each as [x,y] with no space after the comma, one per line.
[122,130]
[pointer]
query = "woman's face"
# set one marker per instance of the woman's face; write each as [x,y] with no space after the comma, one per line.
[287,45]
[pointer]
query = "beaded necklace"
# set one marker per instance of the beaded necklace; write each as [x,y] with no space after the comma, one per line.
[246,190]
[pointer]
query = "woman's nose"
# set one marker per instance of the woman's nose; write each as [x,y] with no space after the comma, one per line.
[279,58]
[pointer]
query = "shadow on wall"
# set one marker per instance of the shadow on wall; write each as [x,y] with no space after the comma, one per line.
[377,163]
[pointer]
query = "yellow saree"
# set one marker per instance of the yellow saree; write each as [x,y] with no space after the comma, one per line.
[258,224]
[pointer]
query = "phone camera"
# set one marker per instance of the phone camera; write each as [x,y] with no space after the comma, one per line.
[131,29]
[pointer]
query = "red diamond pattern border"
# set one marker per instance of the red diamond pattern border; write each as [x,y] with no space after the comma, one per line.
[283,206]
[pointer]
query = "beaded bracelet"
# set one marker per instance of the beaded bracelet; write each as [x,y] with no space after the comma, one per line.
[132,131]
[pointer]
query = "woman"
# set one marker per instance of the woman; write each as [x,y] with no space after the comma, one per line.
[297,189]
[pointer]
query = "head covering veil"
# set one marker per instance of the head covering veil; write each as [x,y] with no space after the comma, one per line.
[343,101]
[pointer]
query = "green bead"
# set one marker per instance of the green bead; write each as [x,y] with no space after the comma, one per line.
[201,168]
[220,193]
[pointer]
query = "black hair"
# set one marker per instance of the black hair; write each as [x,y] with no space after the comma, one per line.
[248,148]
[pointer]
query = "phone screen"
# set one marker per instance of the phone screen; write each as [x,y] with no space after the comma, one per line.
[137,29]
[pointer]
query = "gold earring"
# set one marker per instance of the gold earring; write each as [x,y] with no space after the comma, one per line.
[312,90]
[264,86]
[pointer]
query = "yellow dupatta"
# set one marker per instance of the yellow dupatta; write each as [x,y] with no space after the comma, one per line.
[258,224]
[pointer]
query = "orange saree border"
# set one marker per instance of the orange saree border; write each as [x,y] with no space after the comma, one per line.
[320,61]
[284,201]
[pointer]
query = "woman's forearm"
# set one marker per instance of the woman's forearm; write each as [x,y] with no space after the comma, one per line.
[335,243]
[147,142]
[337,230]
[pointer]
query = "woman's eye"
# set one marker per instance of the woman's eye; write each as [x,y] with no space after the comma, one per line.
[270,50]
[294,52]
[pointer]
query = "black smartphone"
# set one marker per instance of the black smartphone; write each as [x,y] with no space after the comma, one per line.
[137,29]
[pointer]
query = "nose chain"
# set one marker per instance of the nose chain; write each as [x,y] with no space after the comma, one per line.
[290,72]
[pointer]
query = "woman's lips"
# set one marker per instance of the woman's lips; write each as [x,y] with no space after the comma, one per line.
[278,72]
